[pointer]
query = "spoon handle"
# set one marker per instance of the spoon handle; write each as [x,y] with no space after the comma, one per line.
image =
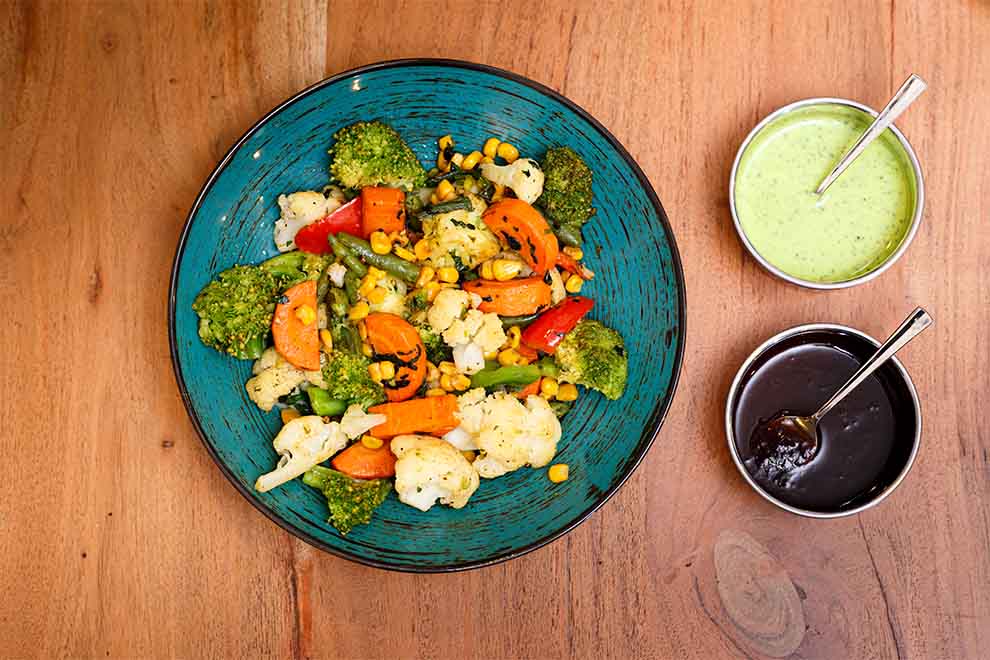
[912,326]
[905,96]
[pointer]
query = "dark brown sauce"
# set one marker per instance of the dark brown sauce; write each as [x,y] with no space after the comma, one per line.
[864,441]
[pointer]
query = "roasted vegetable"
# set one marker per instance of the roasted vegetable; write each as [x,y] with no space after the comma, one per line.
[566,199]
[373,154]
[346,377]
[351,501]
[593,355]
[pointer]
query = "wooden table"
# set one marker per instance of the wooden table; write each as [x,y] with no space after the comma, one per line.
[121,538]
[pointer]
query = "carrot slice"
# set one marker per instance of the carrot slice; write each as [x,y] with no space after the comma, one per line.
[361,462]
[296,341]
[395,340]
[533,388]
[433,415]
[523,228]
[518,297]
[383,209]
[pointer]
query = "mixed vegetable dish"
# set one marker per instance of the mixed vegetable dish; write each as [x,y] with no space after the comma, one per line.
[419,330]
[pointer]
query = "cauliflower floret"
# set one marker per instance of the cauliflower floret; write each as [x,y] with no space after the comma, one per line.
[523,176]
[428,469]
[461,330]
[448,306]
[395,297]
[336,272]
[356,422]
[301,444]
[508,433]
[469,358]
[275,377]
[489,335]
[473,336]
[298,210]
[461,234]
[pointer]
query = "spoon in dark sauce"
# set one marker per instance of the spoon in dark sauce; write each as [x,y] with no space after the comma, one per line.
[786,442]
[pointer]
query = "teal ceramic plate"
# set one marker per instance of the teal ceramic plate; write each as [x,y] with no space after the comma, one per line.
[638,289]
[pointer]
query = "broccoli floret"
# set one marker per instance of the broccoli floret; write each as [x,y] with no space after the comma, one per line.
[437,350]
[566,198]
[351,501]
[235,310]
[593,355]
[372,154]
[347,379]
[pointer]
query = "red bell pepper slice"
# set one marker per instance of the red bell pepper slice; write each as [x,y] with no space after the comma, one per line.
[313,238]
[549,328]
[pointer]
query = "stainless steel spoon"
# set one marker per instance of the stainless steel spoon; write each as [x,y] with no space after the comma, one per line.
[905,96]
[792,440]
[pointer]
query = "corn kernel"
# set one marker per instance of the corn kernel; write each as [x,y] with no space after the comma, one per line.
[363,331]
[305,314]
[366,287]
[366,350]
[403,253]
[567,392]
[359,311]
[513,337]
[426,274]
[469,455]
[523,360]
[491,147]
[375,273]
[432,372]
[575,253]
[448,274]
[445,141]
[505,269]
[574,284]
[432,289]
[471,160]
[371,442]
[491,355]
[445,190]
[449,285]
[461,382]
[508,357]
[436,391]
[387,370]
[423,249]
[558,472]
[327,339]
[498,193]
[487,159]
[377,295]
[380,242]
[447,383]
[486,271]
[400,237]
[548,388]
[447,367]
[375,371]
[289,414]
[434,200]
[457,159]
[508,152]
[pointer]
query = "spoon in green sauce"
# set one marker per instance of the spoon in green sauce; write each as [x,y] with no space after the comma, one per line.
[912,88]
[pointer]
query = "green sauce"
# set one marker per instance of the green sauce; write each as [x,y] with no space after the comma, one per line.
[851,229]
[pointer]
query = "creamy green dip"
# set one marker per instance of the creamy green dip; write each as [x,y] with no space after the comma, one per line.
[851,229]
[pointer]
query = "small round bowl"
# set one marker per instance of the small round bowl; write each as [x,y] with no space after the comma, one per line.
[902,458]
[638,289]
[919,200]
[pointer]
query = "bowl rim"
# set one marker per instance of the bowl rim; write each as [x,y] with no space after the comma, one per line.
[650,430]
[892,258]
[730,426]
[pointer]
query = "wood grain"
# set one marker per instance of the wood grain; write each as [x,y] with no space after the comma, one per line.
[121,539]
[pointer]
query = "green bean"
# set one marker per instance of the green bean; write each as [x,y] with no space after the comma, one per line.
[390,263]
[521,321]
[351,285]
[459,204]
[568,236]
[289,263]
[337,302]
[346,256]
[252,349]
[509,375]
[323,405]
[323,283]
[560,408]
[548,367]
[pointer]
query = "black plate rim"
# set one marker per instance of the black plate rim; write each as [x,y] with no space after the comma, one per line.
[652,427]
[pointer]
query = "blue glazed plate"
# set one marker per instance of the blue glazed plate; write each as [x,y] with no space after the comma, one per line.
[638,289]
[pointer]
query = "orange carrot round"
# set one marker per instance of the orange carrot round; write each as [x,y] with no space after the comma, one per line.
[433,415]
[524,230]
[360,462]
[296,339]
[394,339]
[517,297]
[533,388]
[382,209]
